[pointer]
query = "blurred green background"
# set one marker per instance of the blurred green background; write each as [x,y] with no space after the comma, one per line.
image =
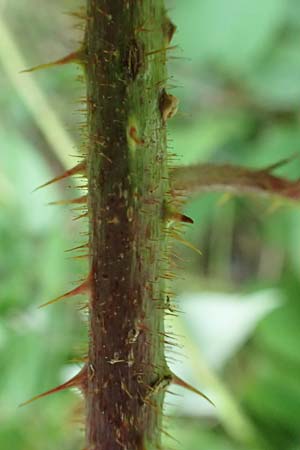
[237,75]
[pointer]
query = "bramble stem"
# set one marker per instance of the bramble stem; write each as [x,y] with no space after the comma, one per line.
[128,182]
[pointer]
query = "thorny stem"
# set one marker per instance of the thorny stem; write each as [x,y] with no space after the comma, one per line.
[131,198]
[128,182]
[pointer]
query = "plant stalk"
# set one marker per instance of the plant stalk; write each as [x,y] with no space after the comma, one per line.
[128,183]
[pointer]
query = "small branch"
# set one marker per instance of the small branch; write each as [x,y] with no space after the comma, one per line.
[199,178]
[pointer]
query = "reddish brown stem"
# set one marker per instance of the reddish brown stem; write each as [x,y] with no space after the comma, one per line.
[127,193]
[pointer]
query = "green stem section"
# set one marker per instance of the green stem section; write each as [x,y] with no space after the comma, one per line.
[128,181]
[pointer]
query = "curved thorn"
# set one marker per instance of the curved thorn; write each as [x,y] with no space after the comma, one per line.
[78,169]
[81,289]
[81,216]
[179,382]
[79,247]
[79,381]
[179,217]
[73,201]
[74,57]
[280,163]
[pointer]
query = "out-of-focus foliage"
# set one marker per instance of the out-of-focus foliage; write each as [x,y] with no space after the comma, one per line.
[237,74]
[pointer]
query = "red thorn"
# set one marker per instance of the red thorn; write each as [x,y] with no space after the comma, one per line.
[79,381]
[169,29]
[280,163]
[78,169]
[74,57]
[81,216]
[186,219]
[73,201]
[79,247]
[134,136]
[184,384]
[83,288]
[180,217]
